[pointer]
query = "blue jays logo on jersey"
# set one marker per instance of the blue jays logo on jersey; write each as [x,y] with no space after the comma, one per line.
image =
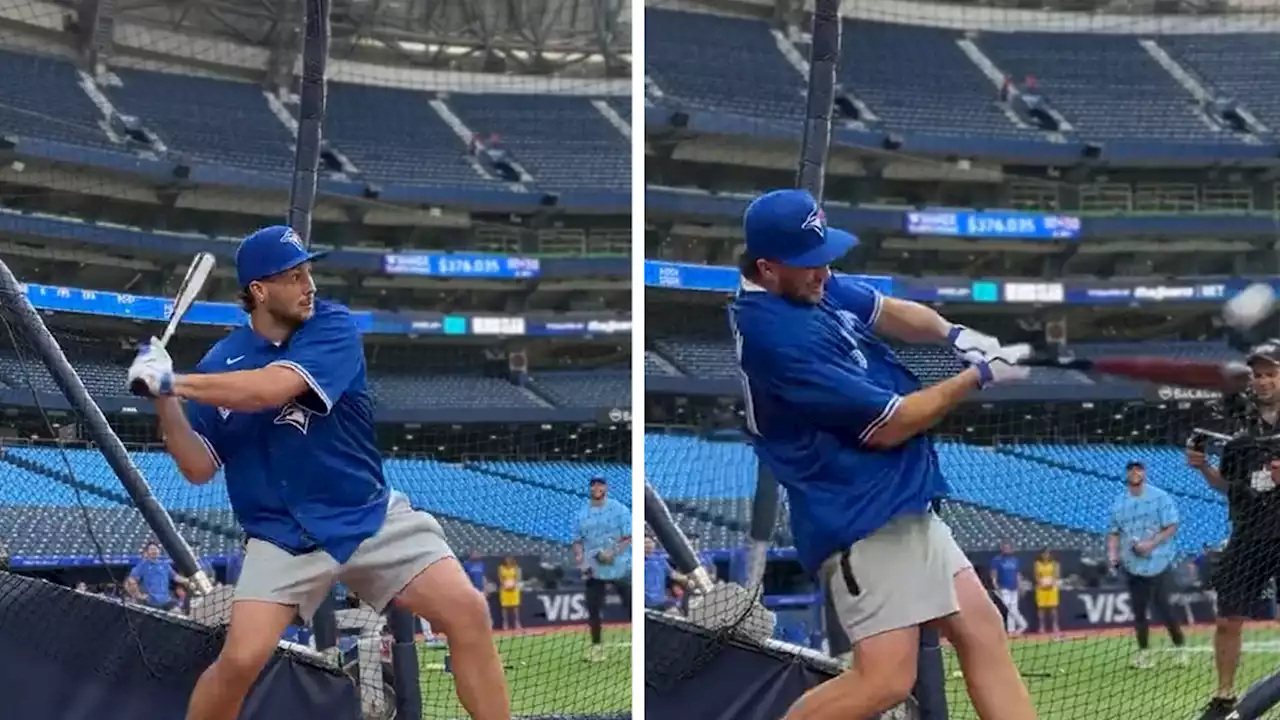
[295,415]
[817,221]
[224,413]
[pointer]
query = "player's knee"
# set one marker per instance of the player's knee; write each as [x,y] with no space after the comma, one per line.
[240,664]
[466,617]
[890,682]
[886,666]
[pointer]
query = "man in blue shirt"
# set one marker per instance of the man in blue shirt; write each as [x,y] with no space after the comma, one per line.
[1140,540]
[656,571]
[1006,580]
[153,579]
[842,424]
[282,405]
[603,553]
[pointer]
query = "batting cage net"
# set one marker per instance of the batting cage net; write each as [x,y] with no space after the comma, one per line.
[1046,172]
[468,166]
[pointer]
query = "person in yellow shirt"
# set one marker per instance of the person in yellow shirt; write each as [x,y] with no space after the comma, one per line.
[509,585]
[1048,576]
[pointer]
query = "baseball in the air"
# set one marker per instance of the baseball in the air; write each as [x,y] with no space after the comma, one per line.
[1250,307]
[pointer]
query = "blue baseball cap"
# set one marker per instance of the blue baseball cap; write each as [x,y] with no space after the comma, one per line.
[271,251]
[789,226]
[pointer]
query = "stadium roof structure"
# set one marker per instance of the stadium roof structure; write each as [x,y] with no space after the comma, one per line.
[581,38]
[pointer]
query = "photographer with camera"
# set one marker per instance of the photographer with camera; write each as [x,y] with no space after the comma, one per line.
[1248,475]
[603,553]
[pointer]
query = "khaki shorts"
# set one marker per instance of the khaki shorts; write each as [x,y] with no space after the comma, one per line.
[409,542]
[900,576]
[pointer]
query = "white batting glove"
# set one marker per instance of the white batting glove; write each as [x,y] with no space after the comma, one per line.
[153,369]
[1001,365]
[965,340]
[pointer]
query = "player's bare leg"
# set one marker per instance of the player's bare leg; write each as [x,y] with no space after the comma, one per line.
[444,596]
[252,635]
[994,683]
[1227,638]
[882,675]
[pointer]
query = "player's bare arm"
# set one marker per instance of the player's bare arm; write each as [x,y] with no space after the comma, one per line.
[245,390]
[922,409]
[1113,547]
[911,322]
[194,459]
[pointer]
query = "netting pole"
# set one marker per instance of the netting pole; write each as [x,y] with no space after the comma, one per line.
[311,103]
[302,197]
[404,663]
[673,540]
[14,299]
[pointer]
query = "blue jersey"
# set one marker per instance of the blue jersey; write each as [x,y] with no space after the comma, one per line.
[307,475]
[1006,569]
[155,578]
[655,581]
[1140,517]
[602,527]
[475,571]
[818,383]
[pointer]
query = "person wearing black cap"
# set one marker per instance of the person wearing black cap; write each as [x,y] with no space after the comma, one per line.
[1247,474]
[603,553]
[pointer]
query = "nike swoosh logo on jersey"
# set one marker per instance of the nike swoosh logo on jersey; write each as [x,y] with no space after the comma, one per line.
[234,360]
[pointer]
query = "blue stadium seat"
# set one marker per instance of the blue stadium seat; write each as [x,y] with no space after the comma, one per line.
[43,99]
[222,122]
[577,389]
[917,78]
[1105,85]
[563,141]
[724,64]
[396,136]
[1241,66]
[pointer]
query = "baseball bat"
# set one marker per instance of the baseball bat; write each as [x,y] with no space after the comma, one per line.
[1227,377]
[199,272]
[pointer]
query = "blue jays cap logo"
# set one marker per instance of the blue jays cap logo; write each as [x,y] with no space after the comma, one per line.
[817,220]
[291,237]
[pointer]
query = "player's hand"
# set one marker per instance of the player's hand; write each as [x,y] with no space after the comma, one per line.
[965,340]
[152,369]
[1195,458]
[605,557]
[1143,548]
[1001,365]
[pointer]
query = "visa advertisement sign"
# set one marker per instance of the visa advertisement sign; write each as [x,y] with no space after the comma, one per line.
[561,607]
[1097,609]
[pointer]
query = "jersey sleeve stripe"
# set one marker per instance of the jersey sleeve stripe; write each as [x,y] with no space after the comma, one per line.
[876,306]
[315,386]
[217,461]
[881,420]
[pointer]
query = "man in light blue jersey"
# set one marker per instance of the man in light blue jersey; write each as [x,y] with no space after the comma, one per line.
[1140,540]
[602,549]
[841,422]
[282,405]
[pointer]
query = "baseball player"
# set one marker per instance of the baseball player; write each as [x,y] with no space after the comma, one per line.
[282,405]
[842,424]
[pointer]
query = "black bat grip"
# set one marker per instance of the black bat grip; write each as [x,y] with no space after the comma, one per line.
[139,388]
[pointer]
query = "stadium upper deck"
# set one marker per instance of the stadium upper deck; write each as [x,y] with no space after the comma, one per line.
[932,79]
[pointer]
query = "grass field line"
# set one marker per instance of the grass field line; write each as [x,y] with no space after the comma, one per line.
[1197,629]
[534,632]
